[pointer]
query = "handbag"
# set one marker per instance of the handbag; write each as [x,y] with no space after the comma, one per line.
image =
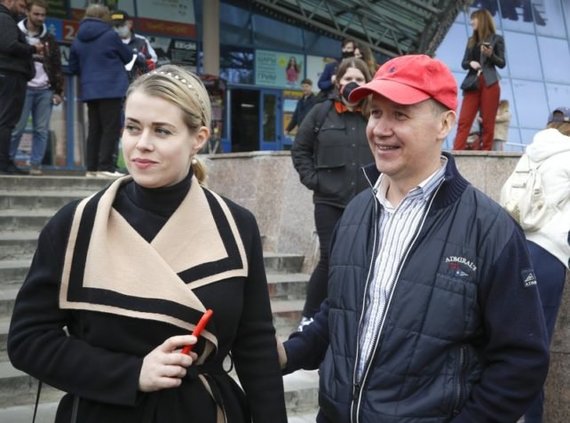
[471,82]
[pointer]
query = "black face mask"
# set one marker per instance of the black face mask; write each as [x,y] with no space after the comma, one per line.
[348,88]
[347,54]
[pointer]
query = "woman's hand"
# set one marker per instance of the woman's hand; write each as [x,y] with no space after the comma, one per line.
[487,50]
[475,65]
[165,366]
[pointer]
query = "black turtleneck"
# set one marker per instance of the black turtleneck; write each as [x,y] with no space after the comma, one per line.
[148,209]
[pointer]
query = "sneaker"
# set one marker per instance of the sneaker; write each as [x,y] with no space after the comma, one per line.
[91,174]
[108,174]
[35,170]
[305,321]
[12,169]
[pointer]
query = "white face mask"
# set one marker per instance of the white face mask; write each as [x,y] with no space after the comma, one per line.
[123,31]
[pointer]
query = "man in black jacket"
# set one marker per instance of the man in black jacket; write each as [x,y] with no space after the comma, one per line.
[304,104]
[16,68]
[433,313]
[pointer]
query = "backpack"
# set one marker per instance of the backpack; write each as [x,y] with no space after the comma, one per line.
[522,195]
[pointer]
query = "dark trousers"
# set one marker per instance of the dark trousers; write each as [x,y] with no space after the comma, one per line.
[486,101]
[12,97]
[104,132]
[326,217]
[550,277]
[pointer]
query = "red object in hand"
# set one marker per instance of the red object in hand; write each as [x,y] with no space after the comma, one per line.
[198,329]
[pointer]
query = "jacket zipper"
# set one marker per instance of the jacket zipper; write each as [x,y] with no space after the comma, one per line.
[358,385]
[461,381]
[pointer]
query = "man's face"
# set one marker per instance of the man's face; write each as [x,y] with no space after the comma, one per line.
[348,50]
[406,140]
[37,15]
[21,7]
[307,89]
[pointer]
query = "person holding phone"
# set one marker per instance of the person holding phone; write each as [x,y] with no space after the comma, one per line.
[485,52]
[119,280]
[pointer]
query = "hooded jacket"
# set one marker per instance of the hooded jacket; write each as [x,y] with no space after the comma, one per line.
[99,57]
[463,337]
[550,149]
[15,53]
[51,59]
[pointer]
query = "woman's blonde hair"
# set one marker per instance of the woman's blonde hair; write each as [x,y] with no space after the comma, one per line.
[485,27]
[185,90]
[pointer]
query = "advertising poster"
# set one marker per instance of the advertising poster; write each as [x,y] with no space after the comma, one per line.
[277,69]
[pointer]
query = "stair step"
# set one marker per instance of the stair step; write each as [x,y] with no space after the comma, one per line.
[52,183]
[18,245]
[31,199]
[24,220]
[13,272]
[286,316]
[18,392]
[287,286]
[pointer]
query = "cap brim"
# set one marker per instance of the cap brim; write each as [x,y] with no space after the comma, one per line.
[392,90]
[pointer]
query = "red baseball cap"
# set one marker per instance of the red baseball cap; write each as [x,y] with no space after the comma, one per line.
[411,79]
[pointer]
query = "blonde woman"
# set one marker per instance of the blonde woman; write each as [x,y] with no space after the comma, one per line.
[130,271]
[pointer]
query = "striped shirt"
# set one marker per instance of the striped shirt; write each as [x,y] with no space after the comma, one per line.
[396,228]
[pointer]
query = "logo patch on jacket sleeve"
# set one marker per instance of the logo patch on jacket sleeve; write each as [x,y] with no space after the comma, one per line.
[528,277]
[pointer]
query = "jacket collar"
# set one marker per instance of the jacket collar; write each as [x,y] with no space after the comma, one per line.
[451,189]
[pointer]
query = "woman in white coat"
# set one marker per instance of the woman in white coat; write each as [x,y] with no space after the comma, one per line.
[549,246]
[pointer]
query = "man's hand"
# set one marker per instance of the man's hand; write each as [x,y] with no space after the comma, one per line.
[165,366]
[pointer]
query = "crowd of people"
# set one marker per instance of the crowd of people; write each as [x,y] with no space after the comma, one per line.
[106,55]
[429,302]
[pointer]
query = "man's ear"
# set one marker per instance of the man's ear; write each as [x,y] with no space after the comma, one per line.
[447,123]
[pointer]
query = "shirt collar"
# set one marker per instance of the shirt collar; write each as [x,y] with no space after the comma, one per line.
[424,189]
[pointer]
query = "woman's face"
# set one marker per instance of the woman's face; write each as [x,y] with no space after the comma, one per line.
[357,53]
[352,75]
[474,23]
[158,147]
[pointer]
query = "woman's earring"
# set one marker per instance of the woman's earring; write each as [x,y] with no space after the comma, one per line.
[194,160]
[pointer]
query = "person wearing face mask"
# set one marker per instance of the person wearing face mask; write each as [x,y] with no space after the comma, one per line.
[328,153]
[146,57]
[326,81]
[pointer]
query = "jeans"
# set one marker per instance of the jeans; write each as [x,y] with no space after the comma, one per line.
[550,277]
[326,218]
[39,102]
[12,95]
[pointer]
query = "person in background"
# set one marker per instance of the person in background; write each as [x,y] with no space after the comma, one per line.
[129,272]
[304,105]
[502,122]
[16,69]
[433,312]
[146,57]
[485,52]
[329,162]
[99,57]
[363,51]
[326,82]
[44,91]
[549,246]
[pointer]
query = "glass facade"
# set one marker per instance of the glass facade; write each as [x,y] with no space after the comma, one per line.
[536,78]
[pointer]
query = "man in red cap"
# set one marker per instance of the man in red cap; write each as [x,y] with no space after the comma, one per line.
[433,313]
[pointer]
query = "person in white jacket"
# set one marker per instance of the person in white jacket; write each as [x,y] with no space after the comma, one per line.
[549,246]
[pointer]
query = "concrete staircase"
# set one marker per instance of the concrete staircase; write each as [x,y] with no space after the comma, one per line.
[26,204]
